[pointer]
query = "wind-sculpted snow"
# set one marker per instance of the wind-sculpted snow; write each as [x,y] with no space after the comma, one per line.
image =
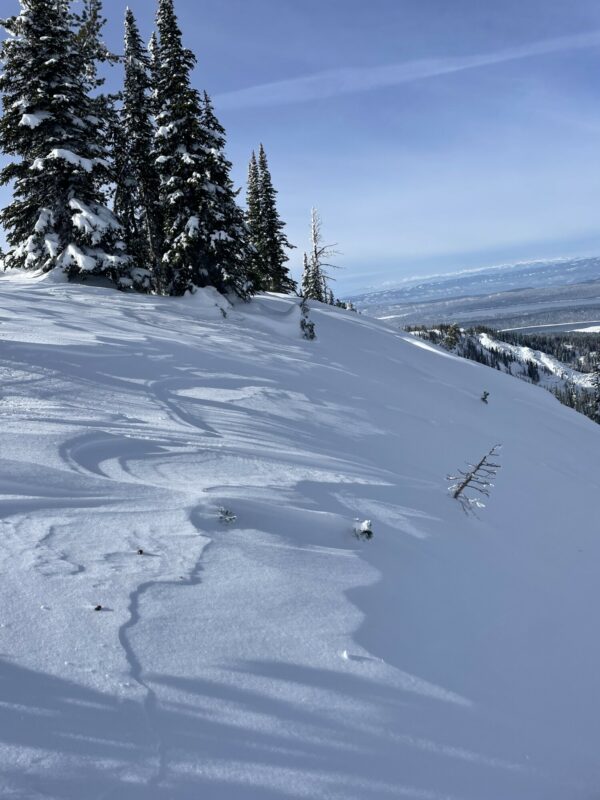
[197,470]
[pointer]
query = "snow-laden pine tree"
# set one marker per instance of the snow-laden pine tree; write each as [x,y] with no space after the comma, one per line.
[89,23]
[268,235]
[311,286]
[137,184]
[180,156]
[204,231]
[229,249]
[50,129]
[254,224]
[153,55]
[307,326]
[594,411]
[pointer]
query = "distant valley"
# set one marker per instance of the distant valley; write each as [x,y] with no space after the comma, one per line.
[557,295]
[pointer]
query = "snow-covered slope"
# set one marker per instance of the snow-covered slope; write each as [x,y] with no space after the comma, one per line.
[553,373]
[277,656]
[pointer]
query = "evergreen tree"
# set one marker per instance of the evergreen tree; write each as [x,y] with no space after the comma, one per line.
[254,225]
[154,71]
[273,240]
[307,326]
[312,281]
[307,278]
[58,217]
[89,23]
[453,336]
[180,156]
[595,395]
[204,232]
[229,249]
[137,192]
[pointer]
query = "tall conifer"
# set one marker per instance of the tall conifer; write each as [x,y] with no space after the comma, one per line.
[274,241]
[204,232]
[254,224]
[229,250]
[58,217]
[137,194]
[180,157]
[307,278]
[153,55]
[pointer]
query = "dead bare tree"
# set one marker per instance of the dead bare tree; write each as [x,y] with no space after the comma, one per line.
[477,479]
[321,255]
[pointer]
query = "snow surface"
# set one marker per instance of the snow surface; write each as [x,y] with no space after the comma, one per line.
[275,655]
[557,327]
[592,329]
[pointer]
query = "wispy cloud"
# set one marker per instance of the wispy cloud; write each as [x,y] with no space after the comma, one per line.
[351,80]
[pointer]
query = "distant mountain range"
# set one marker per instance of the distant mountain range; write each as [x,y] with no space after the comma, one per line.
[516,295]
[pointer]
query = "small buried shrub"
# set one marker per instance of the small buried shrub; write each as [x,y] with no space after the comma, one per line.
[226,516]
[364,530]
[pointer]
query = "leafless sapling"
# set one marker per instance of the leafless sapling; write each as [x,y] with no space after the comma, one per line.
[320,259]
[477,479]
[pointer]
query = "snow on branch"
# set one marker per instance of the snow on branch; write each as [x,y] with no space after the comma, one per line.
[468,487]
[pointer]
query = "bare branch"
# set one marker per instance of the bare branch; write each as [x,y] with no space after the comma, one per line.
[477,479]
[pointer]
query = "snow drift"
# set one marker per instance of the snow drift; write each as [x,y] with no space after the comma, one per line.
[268,653]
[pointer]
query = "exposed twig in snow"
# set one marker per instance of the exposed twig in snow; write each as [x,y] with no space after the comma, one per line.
[477,479]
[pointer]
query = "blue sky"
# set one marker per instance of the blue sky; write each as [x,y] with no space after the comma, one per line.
[432,136]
